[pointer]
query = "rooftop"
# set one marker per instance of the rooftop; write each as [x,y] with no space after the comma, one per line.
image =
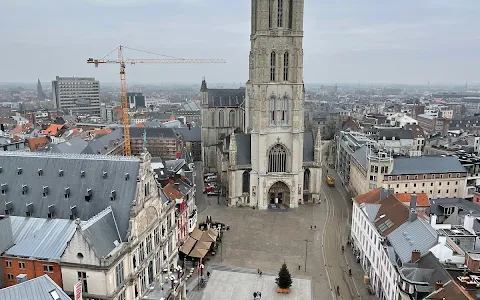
[40,288]
[426,165]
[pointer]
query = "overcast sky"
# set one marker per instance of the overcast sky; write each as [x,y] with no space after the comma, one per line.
[346,41]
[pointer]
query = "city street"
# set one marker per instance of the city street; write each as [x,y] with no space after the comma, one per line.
[263,239]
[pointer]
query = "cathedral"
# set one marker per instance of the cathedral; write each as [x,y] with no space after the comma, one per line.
[254,137]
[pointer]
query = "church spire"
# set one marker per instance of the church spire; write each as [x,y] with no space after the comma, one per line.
[203,88]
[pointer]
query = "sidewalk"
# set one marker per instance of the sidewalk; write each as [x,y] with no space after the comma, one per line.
[357,277]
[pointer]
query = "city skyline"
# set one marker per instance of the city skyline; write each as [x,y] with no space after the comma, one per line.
[408,42]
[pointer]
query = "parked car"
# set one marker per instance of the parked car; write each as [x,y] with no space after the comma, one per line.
[211,179]
[208,189]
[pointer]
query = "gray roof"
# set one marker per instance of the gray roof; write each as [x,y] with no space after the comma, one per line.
[426,165]
[34,289]
[226,97]
[194,134]
[94,166]
[244,148]
[163,196]
[192,106]
[75,145]
[397,133]
[464,206]
[156,132]
[308,147]
[159,115]
[416,235]
[371,211]
[102,232]
[361,156]
[102,144]
[47,241]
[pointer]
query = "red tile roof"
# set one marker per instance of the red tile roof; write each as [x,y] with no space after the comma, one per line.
[52,129]
[171,192]
[422,199]
[35,143]
[371,197]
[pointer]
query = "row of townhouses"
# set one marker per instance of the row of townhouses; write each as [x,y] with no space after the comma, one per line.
[105,221]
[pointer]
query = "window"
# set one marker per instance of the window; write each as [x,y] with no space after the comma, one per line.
[149,244]
[270,14]
[273,60]
[221,119]
[306,179]
[280,13]
[277,159]
[119,273]
[285,66]
[121,296]
[48,268]
[284,111]
[272,110]
[246,182]
[8,263]
[213,119]
[82,277]
[11,277]
[290,14]
[231,118]
[141,252]
[21,265]
[156,235]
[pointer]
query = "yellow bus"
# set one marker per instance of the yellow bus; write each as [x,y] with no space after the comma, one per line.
[330,181]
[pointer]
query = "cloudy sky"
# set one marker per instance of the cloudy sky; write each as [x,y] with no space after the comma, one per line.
[346,41]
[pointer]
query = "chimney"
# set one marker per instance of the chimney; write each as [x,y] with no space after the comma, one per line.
[21,278]
[468,222]
[415,256]
[413,205]
[433,220]
[438,285]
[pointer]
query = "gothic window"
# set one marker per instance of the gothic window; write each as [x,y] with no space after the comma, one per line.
[273,60]
[277,159]
[285,66]
[272,110]
[280,109]
[284,112]
[306,179]
[245,182]
[221,119]
[213,119]
[270,14]
[231,118]
[290,14]
[280,14]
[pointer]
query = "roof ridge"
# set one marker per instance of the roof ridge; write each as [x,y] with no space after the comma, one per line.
[69,156]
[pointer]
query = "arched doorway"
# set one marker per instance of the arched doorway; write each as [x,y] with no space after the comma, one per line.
[279,193]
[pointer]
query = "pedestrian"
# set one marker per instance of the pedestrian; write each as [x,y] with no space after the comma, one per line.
[311,227]
[299,267]
[315,227]
[258,271]
[261,273]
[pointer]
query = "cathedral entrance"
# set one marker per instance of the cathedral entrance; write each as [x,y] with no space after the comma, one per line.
[279,194]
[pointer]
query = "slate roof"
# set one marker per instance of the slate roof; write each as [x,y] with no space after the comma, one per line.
[102,144]
[426,165]
[371,210]
[47,241]
[34,289]
[94,166]
[409,236]
[450,290]
[226,97]
[102,232]
[156,132]
[308,147]
[361,156]
[194,134]
[464,206]
[397,133]
[75,145]
[159,115]
[244,148]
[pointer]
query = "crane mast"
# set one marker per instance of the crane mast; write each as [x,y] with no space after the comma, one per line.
[123,81]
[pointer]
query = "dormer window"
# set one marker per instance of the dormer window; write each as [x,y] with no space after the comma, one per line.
[8,207]
[29,209]
[67,192]
[113,195]
[4,188]
[45,191]
[51,210]
[88,195]
[82,174]
[40,172]
[104,175]
[24,189]
[1,169]
[73,212]
[19,171]
[127,176]
[60,173]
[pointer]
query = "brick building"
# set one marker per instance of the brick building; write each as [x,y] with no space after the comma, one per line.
[161,142]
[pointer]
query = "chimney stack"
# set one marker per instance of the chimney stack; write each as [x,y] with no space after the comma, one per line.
[413,205]
[438,285]
[415,256]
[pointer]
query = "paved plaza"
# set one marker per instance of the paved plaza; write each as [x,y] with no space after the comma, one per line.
[238,285]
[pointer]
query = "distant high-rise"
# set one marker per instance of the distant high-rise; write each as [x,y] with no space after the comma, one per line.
[136,100]
[40,94]
[77,95]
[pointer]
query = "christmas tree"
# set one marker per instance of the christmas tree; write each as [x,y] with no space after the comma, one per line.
[284,278]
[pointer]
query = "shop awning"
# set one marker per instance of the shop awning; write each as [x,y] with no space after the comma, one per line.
[198,253]
[188,245]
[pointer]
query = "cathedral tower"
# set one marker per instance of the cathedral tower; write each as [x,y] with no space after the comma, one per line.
[274,103]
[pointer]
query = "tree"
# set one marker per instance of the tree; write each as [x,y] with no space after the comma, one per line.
[284,278]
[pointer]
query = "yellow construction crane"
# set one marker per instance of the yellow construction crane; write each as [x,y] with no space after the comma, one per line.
[122,62]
